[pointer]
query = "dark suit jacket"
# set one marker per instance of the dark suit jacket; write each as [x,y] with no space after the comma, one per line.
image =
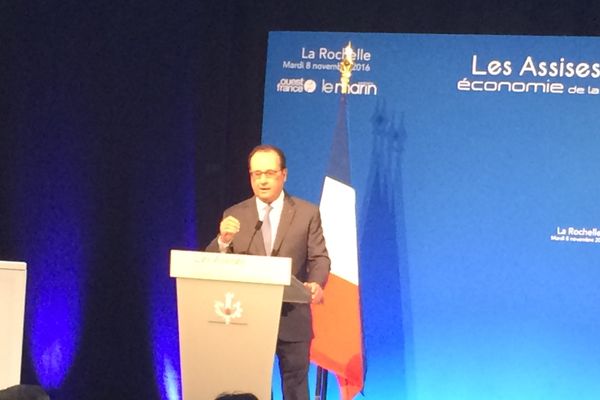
[300,237]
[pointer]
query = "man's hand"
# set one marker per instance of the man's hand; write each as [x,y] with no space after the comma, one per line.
[316,291]
[228,228]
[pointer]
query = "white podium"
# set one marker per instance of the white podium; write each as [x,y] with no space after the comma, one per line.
[228,312]
[13,277]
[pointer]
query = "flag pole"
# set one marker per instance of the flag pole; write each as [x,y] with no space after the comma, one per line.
[321,389]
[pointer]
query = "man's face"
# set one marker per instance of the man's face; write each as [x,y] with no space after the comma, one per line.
[266,175]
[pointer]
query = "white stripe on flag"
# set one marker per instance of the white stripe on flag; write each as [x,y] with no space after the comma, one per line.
[338,213]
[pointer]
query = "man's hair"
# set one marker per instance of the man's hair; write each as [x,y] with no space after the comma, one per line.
[237,396]
[266,148]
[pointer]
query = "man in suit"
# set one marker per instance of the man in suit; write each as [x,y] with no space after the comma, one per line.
[289,227]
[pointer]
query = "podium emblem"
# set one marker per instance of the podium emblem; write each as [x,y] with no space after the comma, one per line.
[228,310]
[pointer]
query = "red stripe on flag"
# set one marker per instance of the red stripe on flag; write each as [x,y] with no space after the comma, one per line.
[337,345]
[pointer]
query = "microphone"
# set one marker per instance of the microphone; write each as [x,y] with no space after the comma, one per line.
[256,229]
[275,252]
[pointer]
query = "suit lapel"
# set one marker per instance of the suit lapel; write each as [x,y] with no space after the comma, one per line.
[287,216]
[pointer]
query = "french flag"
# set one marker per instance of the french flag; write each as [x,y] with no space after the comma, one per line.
[337,345]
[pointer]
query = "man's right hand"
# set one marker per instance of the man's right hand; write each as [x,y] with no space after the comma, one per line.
[228,228]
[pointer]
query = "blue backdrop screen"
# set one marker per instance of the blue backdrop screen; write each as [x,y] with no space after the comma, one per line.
[484,153]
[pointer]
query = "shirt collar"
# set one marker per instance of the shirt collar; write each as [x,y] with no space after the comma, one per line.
[276,204]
